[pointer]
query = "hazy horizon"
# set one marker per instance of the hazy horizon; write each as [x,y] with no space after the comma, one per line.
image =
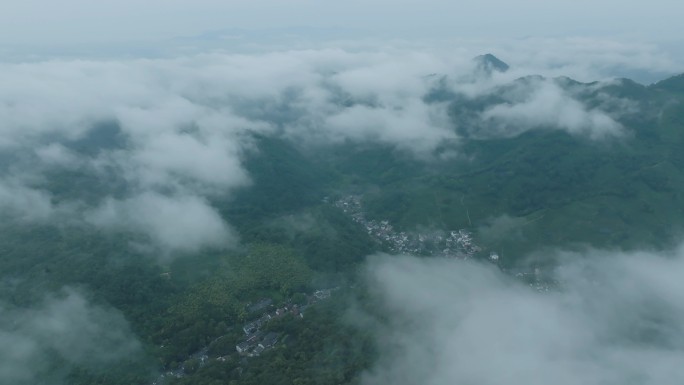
[640,42]
[107,21]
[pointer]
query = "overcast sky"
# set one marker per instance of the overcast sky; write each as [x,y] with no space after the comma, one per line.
[80,21]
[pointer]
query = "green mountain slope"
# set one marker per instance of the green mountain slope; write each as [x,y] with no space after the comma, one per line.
[537,187]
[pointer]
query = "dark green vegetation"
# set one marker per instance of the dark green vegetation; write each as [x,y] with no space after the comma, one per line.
[542,188]
[548,187]
[318,349]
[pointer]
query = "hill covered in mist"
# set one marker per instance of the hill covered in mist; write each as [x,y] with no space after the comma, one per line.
[148,205]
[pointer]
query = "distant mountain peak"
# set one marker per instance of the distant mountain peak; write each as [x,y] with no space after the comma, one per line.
[489,63]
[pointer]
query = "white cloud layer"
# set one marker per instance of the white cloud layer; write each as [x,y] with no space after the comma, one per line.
[67,328]
[184,224]
[184,127]
[177,130]
[21,202]
[612,319]
[549,106]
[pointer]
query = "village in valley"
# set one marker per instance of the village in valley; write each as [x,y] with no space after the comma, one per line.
[256,336]
[453,244]
[457,244]
[256,341]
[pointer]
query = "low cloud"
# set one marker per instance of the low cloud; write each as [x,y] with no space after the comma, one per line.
[501,228]
[412,126]
[606,318]
[588,59]
[23,203]
[549,106]
[179,129]
[183,224]
[63,331]
[172,134]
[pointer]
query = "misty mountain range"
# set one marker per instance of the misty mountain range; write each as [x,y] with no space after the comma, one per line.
[147,203]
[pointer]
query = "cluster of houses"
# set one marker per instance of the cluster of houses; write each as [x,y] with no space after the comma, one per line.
[256,343]
[456,244]
[461,242]
[256,340]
